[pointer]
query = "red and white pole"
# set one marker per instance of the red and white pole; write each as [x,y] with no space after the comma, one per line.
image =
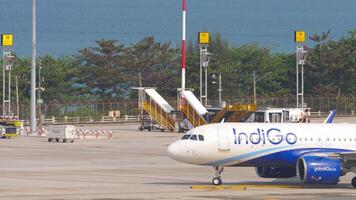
[184,44]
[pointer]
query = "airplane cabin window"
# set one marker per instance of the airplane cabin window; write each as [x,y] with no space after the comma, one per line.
[193,137]
[185,137]
[201,138]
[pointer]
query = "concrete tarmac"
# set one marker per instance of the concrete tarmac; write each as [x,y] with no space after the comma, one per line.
[133,165]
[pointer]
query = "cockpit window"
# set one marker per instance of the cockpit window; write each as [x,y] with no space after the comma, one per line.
[193,137]
[201,138]
[186,137]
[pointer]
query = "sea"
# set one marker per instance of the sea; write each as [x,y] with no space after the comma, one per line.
[65,26]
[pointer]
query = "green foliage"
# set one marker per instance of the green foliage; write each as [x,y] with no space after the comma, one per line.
[332,65]
[157,63]
[59,78]
[102,71]
[83,112]
[110,69]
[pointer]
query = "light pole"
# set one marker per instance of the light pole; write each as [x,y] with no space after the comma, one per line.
[301,53]
[204,63]
[40,89]
[7,67]
[204,40]
[254,84]
[254,87]
[33,71]
[213,76]
[17,98]
[300,61]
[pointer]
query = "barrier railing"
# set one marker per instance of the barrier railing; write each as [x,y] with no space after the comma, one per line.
[79,133]
[88,120]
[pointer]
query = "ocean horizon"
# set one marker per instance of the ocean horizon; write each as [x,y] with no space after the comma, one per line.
[64,26]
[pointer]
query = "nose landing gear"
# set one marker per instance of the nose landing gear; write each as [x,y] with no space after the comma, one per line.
[218,171]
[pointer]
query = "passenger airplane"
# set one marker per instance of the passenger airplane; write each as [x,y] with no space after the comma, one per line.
[317,153]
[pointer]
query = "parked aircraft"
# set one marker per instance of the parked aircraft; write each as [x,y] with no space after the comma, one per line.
[317,153]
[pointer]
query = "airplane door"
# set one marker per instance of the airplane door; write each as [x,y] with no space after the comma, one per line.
[224,139]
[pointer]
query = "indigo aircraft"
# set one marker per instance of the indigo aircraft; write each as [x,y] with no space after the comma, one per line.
[316,153]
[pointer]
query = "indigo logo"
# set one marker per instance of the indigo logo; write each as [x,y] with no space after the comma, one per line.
[260,136]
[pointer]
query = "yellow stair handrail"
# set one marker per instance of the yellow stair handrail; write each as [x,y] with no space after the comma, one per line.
[193,116]
[158,114]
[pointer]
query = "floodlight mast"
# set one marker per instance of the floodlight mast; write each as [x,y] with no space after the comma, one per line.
[33,71]
[301,53]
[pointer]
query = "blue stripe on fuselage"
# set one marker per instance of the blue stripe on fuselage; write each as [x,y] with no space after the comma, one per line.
[242,156]
[281,158]
[287,158]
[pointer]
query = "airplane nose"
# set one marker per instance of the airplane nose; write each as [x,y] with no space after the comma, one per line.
[173,151]
[179,151]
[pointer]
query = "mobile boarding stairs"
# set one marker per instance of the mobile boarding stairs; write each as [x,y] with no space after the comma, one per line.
[191,112]
[154,111]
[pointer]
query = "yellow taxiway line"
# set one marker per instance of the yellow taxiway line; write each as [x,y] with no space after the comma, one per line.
[243,187]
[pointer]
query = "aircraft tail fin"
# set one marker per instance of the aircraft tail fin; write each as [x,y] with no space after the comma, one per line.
[330,118]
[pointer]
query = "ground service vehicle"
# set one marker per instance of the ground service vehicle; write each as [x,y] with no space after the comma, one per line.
[61,133]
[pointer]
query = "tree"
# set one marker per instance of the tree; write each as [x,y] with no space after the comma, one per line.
[332,65]
[59,79]
[102,69]
[157,63]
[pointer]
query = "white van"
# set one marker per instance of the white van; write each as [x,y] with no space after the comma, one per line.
[276,115]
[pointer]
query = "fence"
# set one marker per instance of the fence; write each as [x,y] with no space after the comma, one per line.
[128,110]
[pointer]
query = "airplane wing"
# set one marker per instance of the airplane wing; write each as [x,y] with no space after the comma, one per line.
[330,118]
[347,158]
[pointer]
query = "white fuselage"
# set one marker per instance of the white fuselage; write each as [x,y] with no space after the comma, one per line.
[261,144]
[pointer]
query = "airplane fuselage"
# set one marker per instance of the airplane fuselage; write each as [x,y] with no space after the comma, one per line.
[253,144]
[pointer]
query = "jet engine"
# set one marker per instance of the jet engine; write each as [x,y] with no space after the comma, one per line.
[319,170]
[275,172]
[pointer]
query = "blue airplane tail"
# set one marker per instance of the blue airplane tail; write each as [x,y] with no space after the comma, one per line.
[330,118]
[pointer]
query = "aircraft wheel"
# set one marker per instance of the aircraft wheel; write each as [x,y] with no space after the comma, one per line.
[353,182]
[217,181]
[49,139]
